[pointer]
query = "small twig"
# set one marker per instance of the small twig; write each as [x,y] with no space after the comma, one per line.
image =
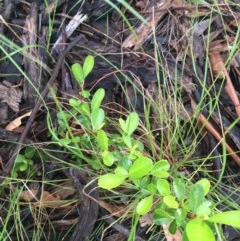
[30,121]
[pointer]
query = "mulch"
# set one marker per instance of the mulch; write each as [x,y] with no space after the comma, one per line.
[39,43]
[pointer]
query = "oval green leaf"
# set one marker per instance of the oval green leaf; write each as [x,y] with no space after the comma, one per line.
[97,118]
[84,109]
[110,181]
[122,125]
[102,140]
[152,188]
[199,230]
[179,189]
[161,217]
[204,209]
[78,73]
[160,169]
[231,218]
[163,187]
[74,102]
[88,65]
[85,93]
[20,158]
[108,158]
[121,171]
[64,141]
[127,141]
[145,205]
[205,184]
[23,167]
[132,123]
[97,99]
[196,197]
[173,227]
[170,201]
[141,167]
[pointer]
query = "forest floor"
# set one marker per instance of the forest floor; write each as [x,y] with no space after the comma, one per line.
[176,64]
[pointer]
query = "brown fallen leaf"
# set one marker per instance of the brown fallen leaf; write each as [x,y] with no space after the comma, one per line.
[146,220]
[171,237]
[29,195]
[47,200]
[17,122]
[64,191]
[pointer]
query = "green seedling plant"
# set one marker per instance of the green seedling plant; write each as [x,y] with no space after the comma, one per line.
[170,197]
[80,73]
[23,162]
[172,200]
[85,115]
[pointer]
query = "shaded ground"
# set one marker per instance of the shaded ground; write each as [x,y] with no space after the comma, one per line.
[193,49]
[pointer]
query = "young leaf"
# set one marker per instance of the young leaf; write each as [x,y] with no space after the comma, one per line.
[64,141]
[161,217]
[110,181]
[138,144]
[196,197]
[161,174]
[74,102]
[162,165]
[29,152]
[173,227]
[145,205]
[141,167]
[121,171]
[102,140]
[97,99]
[180,216]
[84,109]
[88,65]
[160,169]
[205,184]
[20,159]
[85,93]
[78,73]
[163,187]
[170,201]
[152,188]
[108,158]
[231,218]
[204,209]
[127,140]
[24,166]
[179,189]
[97,118]
[123,125]
[199,230]
[132,123]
